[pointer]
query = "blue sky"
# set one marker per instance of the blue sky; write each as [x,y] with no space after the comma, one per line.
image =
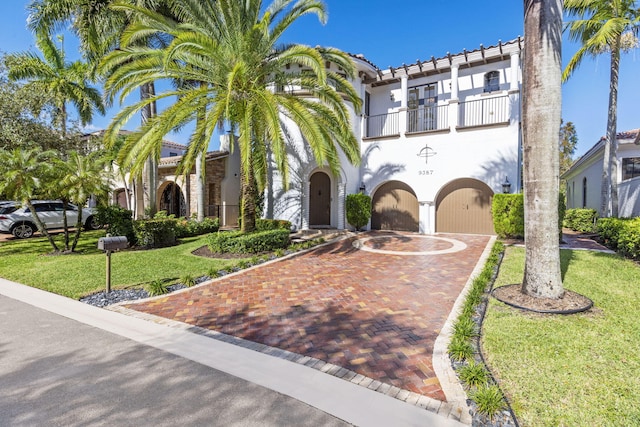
[390,33]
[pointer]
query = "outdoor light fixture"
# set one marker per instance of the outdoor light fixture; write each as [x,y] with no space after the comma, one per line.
[392,97]
[362,188]
[506,186]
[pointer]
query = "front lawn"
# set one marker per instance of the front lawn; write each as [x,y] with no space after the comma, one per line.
[77,275]
[571,370]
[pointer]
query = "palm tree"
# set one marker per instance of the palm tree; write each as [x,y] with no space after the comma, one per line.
[99,28]
[541,127]
[604,26]
[84,176]
[62,81]
[25,175]
[249,81]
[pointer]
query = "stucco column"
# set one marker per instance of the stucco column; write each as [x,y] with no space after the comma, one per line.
[342,190]
[454,103]
[427,213]
[305,204]
[402,113]
[515,71]
[200,187]
[454,81]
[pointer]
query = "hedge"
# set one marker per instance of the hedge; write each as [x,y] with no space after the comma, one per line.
[583,220]
[118,220]
[508,215]
[621,234]
[238,242]
[272,224]
[155,233]
[189,227]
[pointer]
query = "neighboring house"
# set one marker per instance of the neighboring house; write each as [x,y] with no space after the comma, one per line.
[584,178]
[438,139]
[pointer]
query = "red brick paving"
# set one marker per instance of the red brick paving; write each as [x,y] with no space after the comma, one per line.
[378,315]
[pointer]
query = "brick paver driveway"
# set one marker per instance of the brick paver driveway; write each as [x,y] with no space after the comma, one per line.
[376,310]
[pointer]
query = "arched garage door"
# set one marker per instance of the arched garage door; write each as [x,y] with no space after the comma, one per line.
[395,207]
[464,206]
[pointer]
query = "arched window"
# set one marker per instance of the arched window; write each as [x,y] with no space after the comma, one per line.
[584,192]
[492,81]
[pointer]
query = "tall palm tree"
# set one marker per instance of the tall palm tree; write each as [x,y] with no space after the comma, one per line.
[99,28]
[84,176]
[24,176]
[541,127]
[604,26]
[64,82]
[250,82]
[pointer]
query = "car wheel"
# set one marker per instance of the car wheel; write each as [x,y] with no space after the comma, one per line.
[23,231]
[92,224]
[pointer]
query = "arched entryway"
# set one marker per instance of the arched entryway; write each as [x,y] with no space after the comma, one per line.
[464,206]
[120,198]
[172,200]
[395,207]
[319,200]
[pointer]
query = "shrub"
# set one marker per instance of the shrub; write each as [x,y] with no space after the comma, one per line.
[188,280]
[157,287]
[156,233]
[508,215]
[460,349]
[583,220]
[358,207]
[238,242]
[474,374]
[464,328]
[118,220]
[272,224]
[191,227]
[621,234]
[489,400]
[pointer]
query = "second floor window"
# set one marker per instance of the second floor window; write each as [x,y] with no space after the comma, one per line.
[492,81]
[630,168]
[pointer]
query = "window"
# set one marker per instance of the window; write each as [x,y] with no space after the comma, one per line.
[422,102]
[172,154]
[630,168]
[492,81]
[584,192]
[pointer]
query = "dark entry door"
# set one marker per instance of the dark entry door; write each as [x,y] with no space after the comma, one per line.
[320,200]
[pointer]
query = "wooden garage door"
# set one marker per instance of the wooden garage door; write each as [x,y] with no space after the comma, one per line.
[395,207]
[464,206]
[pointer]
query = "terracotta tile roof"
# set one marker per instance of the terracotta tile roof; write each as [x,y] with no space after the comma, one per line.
[174,160]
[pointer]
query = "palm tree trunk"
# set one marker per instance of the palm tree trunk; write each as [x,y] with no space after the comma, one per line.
[248,193]
[200,178]
[65,223]
[76,237]
[612,159]
[41,226]
[541,127]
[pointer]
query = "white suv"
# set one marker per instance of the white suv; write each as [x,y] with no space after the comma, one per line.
[17,220]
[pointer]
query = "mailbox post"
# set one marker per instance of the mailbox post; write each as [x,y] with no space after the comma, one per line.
[109,244]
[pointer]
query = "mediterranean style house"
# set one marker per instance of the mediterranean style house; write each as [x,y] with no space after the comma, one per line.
[584,178]
[438,138]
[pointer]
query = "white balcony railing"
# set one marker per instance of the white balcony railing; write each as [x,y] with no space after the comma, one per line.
[428,118]
[382,125]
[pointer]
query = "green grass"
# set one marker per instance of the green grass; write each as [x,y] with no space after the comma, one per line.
[571,370]
[77,275]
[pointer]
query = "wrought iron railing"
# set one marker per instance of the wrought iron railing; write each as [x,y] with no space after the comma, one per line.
[484,111]
[426,118]
[382,125]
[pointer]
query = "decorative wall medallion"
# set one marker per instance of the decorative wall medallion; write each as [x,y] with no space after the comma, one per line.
[426,152]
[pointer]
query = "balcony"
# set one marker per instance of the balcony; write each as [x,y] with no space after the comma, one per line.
[382,125]
[428,118]
[484,111]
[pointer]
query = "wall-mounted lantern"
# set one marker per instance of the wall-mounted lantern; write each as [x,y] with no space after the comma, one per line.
[362,188]
[506,186]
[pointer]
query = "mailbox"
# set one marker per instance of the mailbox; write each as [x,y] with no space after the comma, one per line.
[113,243]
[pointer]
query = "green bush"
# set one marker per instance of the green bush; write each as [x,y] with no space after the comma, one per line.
[489,400]
[118,220]
[621,234]
[238,242]
[155,288]
[508,215]
[190,227]
[156,233]
[583,220]
[358,207]
[272,224]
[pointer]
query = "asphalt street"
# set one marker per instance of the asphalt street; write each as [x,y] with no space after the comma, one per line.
[56,371]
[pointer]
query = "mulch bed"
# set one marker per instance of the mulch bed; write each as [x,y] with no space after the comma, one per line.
[570,303]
